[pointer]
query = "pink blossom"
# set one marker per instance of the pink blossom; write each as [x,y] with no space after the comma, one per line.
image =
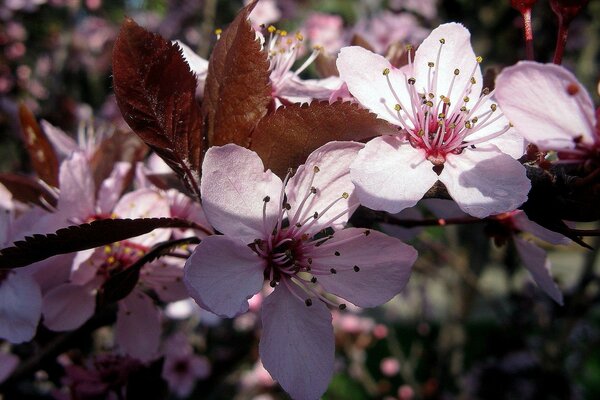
[8,363]
[387,28]
[182,367]
[270,232]
[550,108]
[325,30]
[265,12]
[389,366]
[449,129]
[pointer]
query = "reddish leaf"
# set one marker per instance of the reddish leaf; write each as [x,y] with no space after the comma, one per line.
[325,65]
[238,90]
[82,237]
[285,138]
[155,91]
[120,146]
[28,190]
[41,153]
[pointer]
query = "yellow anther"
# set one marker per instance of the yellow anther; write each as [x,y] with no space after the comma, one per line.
[318,47]
[299,36]
[107,249]
[431,95]
[345,195]
[441,115]
[479,59]
[430,64]
[397,107]
[271,29]
[289,41]
[494,107]
[466,99]
[456,71]
[127,250]
[443,41]
[468,124]
[283,33]
[421,132]
[218,31]
[411,81]
[486,91]
[409,47]
[110,260]
[386,71]
[316,169]
[452,125]
[473,81]
[511,125]
[429,103]
[446,100]
[474,120]
[463,109]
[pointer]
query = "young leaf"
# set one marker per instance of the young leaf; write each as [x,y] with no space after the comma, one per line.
[155,91]
[285,138]
[118,286]
[82,237]
[238,90]
[42,155]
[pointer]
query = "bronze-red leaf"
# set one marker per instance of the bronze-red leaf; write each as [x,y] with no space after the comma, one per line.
[155,91]
[237,93]
[285,138]
[41,153]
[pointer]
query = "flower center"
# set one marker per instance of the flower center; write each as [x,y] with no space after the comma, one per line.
[432,123]
[119,256]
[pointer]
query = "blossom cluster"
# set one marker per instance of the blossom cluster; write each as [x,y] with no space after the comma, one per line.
[271,230]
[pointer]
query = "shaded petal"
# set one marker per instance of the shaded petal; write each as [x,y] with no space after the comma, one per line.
[333,179]
[8,363]
[62,143]
[68,306]
[137,331]
[20,307]
[234,184]
[384,266]
[362,70]
[485,182]
[535,98]
[222,274]
[297,344]
[112,187]
[304,90]
[456,53]
[391,175]
[526,225]
[538,265]
[77,190]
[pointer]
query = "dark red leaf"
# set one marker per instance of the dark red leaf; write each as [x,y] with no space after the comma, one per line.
[238,90]
[82,237]
[285,138]
[28,190]
[155,91]
[41,153]
[118,286]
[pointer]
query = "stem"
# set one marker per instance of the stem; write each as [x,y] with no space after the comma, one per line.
[585,232]
[528,32]
[561,40]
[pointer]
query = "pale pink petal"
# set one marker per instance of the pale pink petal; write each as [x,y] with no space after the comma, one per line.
[137,331]
[362,70]
[456,53]
[68,306]
[370,267]
[62,143]
[299,90]
[222,274]
[332,161]
[538,265]
[112,187]
[77,191]
[485,182]
[6,203]
[234,184]
[86,264]
[165,279]
[391,175]
[20,307]
[52,271]
[526,225]
[145,203]
[8,363]
[535,98]
[297,344]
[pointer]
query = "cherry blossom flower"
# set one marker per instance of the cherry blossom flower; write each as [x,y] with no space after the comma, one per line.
[550,108]
[182,367]
[449,129]
[274,231]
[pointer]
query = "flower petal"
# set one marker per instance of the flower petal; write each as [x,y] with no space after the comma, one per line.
[112,187]
[536,99]
[332,180]
[297,344]
[485,182]
[538,265]
[456,53]
[526,225]
[137,331]
[77,192]
[362,70]
[222,274]
[68,306]
[234,184]
[20,307]
[391,175]
[384,265]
